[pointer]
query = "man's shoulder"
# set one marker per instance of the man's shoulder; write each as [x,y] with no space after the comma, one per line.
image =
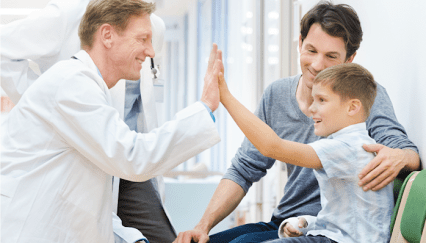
[281,86]
[284,83]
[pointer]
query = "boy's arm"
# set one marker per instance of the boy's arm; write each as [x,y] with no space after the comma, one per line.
[263,137]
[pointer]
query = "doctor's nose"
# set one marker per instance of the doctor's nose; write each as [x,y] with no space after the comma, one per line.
[149,51]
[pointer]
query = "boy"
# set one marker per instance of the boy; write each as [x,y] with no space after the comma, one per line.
[342,99]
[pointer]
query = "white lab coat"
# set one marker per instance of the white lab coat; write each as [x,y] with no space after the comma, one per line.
[30,38]
[62,143]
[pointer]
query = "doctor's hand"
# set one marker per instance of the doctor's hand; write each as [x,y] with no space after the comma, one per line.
[192,236]
[210,95]
[387,164]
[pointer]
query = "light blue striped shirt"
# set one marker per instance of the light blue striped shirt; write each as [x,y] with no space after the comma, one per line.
[348,213]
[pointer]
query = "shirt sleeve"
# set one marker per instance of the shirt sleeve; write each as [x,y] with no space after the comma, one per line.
[383,126]
[294,221]
[338,159]
[29,39]
[89,125]
[209,110]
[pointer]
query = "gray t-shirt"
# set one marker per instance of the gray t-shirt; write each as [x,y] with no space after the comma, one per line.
[280,110]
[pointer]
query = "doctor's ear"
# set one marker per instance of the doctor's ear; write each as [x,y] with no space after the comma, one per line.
[105,34]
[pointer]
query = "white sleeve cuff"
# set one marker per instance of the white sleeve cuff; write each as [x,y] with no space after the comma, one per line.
[294,221]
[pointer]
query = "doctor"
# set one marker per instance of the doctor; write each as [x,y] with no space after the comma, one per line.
[64,140]
[50,35]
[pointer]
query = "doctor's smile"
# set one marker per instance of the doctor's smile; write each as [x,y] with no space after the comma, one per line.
[111,113]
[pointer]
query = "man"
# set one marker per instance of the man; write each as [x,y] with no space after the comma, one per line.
[64,139]
[330,35]
[50,35]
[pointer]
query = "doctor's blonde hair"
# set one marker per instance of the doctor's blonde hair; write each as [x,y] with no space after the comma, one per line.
[114,12]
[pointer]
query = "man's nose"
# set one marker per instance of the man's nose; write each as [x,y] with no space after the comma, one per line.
[318,63]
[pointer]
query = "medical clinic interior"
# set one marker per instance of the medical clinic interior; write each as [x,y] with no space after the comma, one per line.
[260,44]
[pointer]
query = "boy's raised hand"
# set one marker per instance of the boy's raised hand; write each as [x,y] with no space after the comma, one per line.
[223,89]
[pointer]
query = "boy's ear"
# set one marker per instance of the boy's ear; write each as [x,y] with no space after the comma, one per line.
[354,107]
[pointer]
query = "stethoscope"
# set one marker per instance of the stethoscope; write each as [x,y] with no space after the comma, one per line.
[153,69]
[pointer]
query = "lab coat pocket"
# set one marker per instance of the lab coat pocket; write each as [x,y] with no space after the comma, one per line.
[8,189]
[85,188]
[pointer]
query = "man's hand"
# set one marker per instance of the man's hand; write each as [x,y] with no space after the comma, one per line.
[195,235]
[210,95]
[290,231]
[384,168]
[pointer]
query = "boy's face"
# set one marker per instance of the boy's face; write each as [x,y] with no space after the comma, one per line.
[319,51]
[329,112]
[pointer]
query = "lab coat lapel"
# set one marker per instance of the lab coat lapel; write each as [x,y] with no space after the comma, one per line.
[118,93]
[85,58]
[149,108]
[148,96]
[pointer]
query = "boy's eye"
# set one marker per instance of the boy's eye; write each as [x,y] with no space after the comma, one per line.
[321,99]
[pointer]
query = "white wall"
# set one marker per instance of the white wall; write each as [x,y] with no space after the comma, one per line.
[393,49]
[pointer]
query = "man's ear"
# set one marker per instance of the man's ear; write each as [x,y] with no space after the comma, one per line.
[300,43]
[106,32]
[351,58]
[354,107]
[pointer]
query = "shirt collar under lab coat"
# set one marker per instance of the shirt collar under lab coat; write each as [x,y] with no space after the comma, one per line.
[85,58]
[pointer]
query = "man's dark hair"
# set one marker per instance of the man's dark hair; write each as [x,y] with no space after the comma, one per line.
[339,20]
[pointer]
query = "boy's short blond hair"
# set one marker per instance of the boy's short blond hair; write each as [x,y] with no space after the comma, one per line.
[114,12]
[350,81]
